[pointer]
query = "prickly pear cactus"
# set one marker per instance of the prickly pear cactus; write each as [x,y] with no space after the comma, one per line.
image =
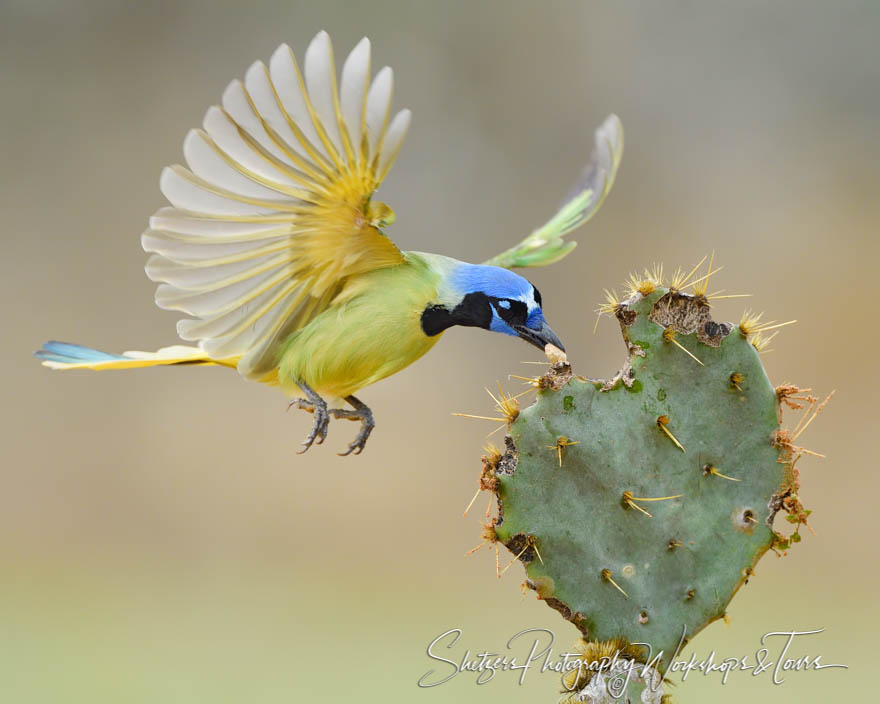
[640,505]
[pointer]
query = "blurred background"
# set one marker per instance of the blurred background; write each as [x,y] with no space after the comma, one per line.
[160,540]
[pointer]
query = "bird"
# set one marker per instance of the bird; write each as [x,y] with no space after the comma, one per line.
[275,248]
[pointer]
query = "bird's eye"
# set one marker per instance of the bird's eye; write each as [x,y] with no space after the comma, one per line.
[512,312]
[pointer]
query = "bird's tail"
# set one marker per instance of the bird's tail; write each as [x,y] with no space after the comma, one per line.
[64,355]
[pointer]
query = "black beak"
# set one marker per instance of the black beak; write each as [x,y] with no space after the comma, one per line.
[539,338]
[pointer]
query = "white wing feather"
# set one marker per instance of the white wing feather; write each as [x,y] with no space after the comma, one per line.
[228,250]
[379,107]
[353,90]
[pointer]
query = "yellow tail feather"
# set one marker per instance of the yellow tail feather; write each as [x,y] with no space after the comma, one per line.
[64,356]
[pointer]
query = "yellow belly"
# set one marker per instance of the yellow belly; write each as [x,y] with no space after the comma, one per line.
[374,333]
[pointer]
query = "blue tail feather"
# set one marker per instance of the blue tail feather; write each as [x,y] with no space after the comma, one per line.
[69,353]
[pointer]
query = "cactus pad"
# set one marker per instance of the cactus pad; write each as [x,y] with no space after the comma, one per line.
[640,505]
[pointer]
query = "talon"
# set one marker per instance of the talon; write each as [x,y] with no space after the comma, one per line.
[314,404]
[362,413]
[302,405]
[317,406]
[322,430]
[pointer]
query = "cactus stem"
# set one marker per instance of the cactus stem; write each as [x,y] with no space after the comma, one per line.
[669,336]
[606,575]
[710,469]
[712,535]
[662,422]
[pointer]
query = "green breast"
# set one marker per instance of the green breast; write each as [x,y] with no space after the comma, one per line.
[373,331]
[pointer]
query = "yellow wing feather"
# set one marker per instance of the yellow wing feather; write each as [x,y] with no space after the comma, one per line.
[274,212]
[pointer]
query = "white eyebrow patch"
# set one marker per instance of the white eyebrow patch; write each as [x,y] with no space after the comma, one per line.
[529,300]
[504,304]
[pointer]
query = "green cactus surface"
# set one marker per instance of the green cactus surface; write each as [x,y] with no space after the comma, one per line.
[640,505]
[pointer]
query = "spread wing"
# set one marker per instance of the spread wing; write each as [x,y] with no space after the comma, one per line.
[273,212]
[545,245]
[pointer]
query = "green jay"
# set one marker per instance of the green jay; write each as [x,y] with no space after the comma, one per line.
[276,249]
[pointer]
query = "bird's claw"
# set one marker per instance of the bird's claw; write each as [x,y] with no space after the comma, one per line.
[322,421]
[365,416]
[316,405]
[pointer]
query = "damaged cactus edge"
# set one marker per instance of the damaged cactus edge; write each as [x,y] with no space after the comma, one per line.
[641,504]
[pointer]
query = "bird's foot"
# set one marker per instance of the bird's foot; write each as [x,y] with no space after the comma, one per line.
[315,405]
[362,413]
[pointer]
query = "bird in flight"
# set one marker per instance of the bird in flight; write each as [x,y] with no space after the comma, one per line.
[275,248]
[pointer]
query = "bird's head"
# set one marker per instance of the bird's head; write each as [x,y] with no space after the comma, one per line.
[491,298]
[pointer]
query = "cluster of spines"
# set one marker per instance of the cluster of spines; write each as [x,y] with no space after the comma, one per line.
[751,325]
[787,498]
